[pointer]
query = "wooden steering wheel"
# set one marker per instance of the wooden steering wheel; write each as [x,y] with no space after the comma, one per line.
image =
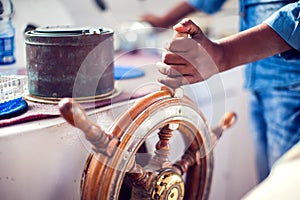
[114,171]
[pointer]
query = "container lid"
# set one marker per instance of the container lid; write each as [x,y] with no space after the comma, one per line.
[67,35]
[67,31]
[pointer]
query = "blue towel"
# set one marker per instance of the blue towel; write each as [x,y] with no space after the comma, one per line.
[126,72]
[12,108]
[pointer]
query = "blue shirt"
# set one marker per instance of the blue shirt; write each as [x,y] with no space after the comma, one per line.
[282,16]
[286,23]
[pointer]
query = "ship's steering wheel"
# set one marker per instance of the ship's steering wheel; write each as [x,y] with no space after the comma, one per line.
[114,171]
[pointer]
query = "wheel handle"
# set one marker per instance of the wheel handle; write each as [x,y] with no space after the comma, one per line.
[76,116]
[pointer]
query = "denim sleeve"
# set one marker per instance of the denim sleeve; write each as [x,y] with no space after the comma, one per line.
[207,6]
[286,23]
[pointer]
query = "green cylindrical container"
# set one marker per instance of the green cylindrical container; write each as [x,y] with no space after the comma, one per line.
[69,62]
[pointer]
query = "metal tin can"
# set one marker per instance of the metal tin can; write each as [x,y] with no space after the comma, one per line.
[69,62]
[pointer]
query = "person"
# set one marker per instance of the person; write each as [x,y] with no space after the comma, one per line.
[274,81]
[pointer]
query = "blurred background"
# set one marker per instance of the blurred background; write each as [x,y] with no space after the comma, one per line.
[115,14]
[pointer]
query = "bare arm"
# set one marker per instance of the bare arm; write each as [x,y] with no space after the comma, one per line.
[196,59]
[171,17]
[249,46]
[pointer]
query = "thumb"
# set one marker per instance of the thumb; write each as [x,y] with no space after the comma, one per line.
[189,27]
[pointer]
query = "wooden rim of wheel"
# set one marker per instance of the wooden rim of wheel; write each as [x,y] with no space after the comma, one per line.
[103,175]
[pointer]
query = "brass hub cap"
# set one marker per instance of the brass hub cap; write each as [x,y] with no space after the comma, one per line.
[169,186]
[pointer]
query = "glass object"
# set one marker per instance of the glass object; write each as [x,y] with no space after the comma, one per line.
[7,39]
[12,87]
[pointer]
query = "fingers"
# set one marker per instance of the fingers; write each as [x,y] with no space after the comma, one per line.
[182,63]
[185,61]
[173,58]
[179,70]
[177,75]
[182,45]
[172,70]
[174,64]
[188,26]
[175,82]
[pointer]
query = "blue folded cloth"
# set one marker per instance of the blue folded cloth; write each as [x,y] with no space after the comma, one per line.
[127,72]
[12,108]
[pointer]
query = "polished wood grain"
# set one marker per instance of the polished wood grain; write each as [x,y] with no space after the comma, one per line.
[113,172]
[75,115]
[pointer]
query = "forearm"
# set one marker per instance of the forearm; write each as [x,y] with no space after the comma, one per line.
[177,13]
[249,46]
[195,59]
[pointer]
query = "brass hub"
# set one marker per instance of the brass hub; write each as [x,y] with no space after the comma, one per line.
[169,186]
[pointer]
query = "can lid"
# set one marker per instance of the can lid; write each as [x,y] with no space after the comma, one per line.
[67,35]
[67,31]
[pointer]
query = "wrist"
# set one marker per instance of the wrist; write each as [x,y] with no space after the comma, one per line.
[219,57]
[215,51]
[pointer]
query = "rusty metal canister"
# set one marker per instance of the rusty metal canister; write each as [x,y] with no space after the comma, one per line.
[69,62]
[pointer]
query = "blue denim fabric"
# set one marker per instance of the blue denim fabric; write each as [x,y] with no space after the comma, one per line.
[279,70]
[275,120]
[289,16]
[209,7]
[275,82]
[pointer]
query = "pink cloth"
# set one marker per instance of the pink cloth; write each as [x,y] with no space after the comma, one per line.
[37,111]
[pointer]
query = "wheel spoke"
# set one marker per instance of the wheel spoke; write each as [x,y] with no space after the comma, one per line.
[160,159]
[75,115]
[190,158]
[139,176]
